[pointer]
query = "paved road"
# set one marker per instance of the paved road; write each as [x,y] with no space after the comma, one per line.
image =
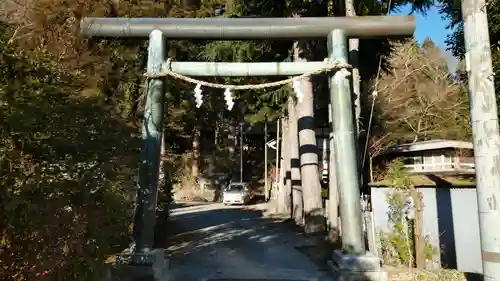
[213,242]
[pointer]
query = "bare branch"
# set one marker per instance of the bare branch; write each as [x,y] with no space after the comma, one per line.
[417,96]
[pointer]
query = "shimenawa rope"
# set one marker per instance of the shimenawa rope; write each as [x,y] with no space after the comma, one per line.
[328,65]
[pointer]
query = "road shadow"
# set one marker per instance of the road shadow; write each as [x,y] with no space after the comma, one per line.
[200,234]
[174,206]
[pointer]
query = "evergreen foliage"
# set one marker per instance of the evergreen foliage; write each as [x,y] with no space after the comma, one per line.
[451,10]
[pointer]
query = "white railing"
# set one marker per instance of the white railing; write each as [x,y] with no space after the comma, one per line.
[441,167]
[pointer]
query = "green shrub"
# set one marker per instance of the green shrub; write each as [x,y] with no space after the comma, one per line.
[67,173]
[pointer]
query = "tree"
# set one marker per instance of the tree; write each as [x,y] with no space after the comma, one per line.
[451,10]
[418,99]
[67,163]
[296,183]
[354,60]
[311,187]
[304,50]
[284,194]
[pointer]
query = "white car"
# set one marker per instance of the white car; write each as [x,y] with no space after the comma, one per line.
[236,193]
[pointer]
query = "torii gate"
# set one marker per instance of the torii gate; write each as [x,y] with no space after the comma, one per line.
[336,29]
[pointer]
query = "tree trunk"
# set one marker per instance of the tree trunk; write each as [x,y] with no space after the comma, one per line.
[311,187]
[163,192]
[195,166]
[296,185]
[217,131]
[354,61]
[284,201]
[163,157]
[231,140]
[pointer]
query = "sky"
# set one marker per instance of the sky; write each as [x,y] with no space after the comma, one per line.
[432,26]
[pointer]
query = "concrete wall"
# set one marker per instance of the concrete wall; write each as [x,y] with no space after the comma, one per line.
[450,220]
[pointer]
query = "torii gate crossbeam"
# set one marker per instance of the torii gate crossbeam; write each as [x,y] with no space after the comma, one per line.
[249,28]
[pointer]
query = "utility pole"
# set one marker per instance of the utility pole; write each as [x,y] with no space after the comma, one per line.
[277,174]
[485,134]
[241,152]
[266,187]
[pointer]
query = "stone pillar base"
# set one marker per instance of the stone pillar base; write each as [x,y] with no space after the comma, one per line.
[357,267]
[138,267]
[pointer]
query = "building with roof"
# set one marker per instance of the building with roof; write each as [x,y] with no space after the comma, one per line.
[444,157]
[442,171]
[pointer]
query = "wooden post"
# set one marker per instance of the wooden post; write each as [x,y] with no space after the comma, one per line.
[419,237]
[371,232]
